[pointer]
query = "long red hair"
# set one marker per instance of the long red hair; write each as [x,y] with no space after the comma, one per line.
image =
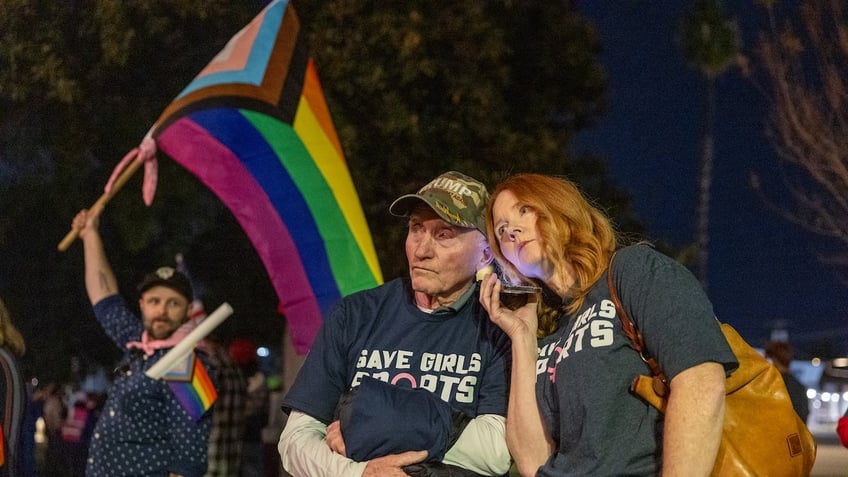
[571,229]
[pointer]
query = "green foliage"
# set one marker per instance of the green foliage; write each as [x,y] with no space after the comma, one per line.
[711,40]
[80,84]
[415,88]
[418,88]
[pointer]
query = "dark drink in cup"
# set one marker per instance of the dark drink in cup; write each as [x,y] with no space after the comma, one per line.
[516,296]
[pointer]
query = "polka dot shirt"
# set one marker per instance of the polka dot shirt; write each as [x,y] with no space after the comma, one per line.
[143,430]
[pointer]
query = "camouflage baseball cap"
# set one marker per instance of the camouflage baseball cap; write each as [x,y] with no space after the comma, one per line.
[457,198]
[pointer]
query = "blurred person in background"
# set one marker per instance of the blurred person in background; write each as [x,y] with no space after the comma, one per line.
[780,354]
[78,428]
[54,412]
[13,395]
[242,351]
[225,440]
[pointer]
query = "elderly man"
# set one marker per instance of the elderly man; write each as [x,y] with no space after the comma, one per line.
[427,332]
[143,430]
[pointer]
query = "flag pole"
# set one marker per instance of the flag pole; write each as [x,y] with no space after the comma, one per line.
[122,179]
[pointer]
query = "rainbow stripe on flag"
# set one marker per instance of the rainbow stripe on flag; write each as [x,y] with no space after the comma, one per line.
[192,386]
[254,127]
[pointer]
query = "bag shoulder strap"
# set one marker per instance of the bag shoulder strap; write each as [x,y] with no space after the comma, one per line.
[632,332]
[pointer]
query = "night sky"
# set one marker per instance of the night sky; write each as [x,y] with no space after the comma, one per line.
[763,271]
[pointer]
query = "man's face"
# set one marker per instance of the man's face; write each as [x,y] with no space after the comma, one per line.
[443,258]
[163,310]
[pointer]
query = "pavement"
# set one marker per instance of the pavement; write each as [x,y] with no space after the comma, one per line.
[831,457]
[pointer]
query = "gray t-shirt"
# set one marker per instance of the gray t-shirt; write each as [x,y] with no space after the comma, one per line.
[583,385]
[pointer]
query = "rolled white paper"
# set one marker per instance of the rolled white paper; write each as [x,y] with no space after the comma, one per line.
[179,352]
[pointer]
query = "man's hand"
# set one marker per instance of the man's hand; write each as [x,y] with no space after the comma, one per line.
[392,465]
[86,220]
[389,465]
[335,440]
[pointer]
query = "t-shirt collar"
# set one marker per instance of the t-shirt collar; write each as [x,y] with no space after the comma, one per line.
[458,304]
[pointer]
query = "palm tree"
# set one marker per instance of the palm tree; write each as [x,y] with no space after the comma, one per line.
[711,44]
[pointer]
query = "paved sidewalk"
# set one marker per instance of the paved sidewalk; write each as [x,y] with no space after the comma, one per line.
[831,457]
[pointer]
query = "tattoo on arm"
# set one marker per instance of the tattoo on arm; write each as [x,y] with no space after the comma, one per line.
[104,282]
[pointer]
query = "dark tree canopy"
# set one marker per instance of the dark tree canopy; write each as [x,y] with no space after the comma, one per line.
[415,88]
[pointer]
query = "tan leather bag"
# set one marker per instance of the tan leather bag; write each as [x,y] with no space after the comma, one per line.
[762,435]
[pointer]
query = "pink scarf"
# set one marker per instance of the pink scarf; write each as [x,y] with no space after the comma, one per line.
[149,346]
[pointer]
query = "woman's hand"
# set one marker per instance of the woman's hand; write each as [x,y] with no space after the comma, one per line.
[526,435]
[520,322]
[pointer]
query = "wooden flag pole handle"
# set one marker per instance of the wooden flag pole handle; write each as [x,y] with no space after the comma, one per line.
[103,200]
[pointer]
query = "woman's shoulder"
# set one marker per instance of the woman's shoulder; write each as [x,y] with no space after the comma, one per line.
[642,256]
[637,251]
[643,266]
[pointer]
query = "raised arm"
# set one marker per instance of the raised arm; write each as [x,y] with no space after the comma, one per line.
[100,281]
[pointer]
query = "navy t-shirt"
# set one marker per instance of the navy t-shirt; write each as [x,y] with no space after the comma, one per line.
[459,355]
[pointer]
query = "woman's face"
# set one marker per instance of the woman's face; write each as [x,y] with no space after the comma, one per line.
[518,238]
